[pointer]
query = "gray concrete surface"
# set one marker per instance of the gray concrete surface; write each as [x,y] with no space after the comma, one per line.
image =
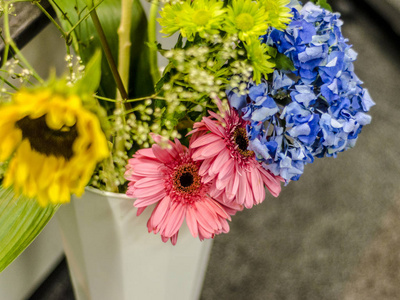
[335,233]
[390,9]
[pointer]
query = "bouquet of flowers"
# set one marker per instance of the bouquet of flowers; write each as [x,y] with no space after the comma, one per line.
[253,91]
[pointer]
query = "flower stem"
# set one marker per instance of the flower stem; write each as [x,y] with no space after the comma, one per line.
[124,49]
[107,52]
[152,33]
[9,41]
[51,20]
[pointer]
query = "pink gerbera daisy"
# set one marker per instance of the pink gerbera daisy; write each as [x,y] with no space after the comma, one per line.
[169,177]
[221,143]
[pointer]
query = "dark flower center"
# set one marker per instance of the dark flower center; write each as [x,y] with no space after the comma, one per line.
[242,141]
[186,178]
[48,141]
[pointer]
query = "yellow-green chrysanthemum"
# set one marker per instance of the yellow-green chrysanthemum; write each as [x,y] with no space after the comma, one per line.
[172,16]
[259,59]
[247,19]
[53,144]
[278,14]
[205,18]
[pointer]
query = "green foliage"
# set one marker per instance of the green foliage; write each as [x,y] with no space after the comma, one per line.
[86,41]
[90,81]
[21,220]
[282,62]
[323,4]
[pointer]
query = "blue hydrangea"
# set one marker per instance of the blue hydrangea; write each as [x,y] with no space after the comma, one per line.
[315,111]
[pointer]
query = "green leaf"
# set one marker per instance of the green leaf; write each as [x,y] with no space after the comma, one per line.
[90,81]
[21,220]
[283,62]
[92,3]
[86,41]
[272,51]
[323,4]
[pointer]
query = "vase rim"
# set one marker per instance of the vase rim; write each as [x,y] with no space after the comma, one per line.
[105,193]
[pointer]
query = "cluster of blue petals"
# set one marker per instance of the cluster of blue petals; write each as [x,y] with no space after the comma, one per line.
[315,111]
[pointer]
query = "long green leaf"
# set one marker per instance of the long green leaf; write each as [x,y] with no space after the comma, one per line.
[86,41]
[21,220]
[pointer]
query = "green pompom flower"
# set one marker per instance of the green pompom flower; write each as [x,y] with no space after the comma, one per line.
[278,14]
[172,17]
[259,59]
[205,18]
[247,19]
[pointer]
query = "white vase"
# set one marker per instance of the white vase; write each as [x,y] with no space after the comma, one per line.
[112,256]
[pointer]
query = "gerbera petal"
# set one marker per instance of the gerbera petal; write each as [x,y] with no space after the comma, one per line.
[271,182]
[191,221]
[212,126]
[178,147]
[227,169]
[220,160]
[222,184]
[212,149]
[161,154]
[201,217]
[204,234]
[140,210]
[161,210]
[149,191]
[174,238]
[232,186]
[147,169]
[216,116]
[146,201]
[215,207]
[242,190]
[148,152]
[257,185]
[225,225]
[148,182]
[174,219]
[205,166]
[205,140]
[249,198]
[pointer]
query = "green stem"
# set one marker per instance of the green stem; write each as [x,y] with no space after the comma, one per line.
[9,41]
[154,97]
[52,20]
[8,83]
[5,54]
[152,35]
[124,47]
[109,165]
[78,23]
[107,52]
[65,17]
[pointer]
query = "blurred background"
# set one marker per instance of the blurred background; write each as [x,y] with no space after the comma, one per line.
[335,234]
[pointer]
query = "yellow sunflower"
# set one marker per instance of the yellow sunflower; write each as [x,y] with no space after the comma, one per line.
[247,19]
[53,144]
[278,14]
